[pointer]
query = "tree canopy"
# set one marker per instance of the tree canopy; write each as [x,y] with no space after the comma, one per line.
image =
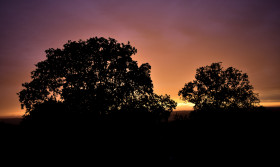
[96,76]
[216,88]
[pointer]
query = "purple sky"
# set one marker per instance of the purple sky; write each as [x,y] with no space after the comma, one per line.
[175,37]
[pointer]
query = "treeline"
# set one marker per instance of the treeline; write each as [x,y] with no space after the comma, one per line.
[91,102]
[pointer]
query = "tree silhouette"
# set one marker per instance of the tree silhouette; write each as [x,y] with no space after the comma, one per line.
[96,77]
[217,89]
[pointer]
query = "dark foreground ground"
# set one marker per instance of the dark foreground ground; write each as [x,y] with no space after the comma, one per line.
[224,139]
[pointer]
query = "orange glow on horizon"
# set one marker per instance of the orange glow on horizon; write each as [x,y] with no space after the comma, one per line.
[189,106]
[184,106]
[181,106]
[270,104]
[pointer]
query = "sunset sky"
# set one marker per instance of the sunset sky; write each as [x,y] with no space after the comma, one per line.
[174,36]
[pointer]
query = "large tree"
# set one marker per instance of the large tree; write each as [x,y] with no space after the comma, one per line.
[216,88]
[96,76]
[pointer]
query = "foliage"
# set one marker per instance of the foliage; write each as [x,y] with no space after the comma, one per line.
[96,76]
[217,89]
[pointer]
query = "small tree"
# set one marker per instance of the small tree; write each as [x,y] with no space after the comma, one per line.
[97,77]
[217,89]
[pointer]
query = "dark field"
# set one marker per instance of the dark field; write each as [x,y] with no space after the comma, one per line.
[220,140]
[10,120]
[17,120]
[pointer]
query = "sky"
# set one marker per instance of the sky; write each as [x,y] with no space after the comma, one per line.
[174,36]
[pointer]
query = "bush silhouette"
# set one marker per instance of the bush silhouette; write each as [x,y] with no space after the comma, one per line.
[96,78]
